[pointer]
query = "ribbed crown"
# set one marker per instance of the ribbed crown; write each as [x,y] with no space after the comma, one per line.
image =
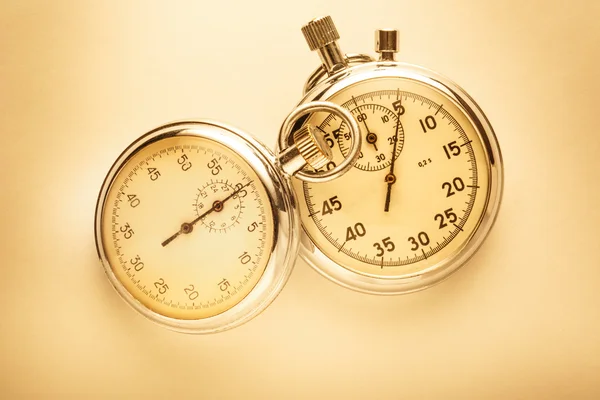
[312,146]
[320,32]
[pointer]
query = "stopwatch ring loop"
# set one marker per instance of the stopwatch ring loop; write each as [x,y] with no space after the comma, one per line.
[348,162]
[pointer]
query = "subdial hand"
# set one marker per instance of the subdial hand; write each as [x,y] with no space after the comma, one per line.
[372,139]
[390,178]
[188,227]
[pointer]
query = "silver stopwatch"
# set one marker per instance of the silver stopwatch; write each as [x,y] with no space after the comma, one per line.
[197,225]
[426,187]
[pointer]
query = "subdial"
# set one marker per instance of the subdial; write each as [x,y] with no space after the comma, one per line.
[378,126]
[224,215]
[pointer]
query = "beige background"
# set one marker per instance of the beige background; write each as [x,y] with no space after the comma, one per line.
[79,80]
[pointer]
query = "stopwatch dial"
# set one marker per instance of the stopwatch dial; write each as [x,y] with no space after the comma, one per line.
[387,218]
[378,127]
[211,192]
[187,227]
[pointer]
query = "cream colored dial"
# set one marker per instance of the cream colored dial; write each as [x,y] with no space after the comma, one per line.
[378,123]
[389,219]
[187,227]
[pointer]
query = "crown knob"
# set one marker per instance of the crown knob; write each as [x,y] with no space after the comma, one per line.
[321,35]
[309,148]
[320,32]
[312,146]
[386,43]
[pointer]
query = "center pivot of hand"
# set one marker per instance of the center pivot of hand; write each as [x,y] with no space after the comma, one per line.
[390,178]
[218,206]
[186,228]
[371,138]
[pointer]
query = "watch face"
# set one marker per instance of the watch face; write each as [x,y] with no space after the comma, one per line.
[418,192]
[187,227]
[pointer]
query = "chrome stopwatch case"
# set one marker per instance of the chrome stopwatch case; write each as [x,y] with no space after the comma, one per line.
[197,225]
[427,184]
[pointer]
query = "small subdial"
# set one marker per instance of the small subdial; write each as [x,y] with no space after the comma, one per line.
[378,128]
[225,214]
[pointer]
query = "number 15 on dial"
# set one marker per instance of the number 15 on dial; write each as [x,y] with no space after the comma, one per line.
[427,184]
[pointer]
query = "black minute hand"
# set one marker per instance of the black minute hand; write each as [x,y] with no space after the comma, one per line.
[390,178]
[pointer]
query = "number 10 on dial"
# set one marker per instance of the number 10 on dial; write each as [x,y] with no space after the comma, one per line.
[196,222]
[426,187]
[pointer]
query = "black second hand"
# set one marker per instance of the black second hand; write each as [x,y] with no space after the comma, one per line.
[392,178]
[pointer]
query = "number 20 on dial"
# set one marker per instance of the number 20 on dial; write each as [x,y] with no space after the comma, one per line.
[196,222]
[426,187]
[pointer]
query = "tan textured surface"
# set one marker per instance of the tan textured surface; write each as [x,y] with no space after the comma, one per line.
[80,80]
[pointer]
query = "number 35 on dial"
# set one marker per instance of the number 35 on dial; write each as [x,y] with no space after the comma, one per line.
[410,210]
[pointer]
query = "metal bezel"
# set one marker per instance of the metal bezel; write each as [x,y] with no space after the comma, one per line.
[323,91]
[285,217]
[344,166]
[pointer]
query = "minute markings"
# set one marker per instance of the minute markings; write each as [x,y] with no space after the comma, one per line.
[440,111]
[121,197]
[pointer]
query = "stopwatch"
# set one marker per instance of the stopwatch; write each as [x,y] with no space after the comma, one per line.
[426,187]
[197,224]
